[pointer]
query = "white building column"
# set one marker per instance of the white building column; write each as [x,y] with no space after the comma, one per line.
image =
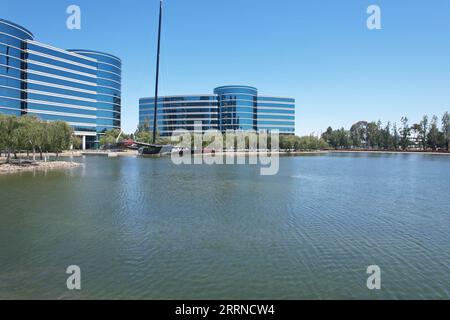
[84,143]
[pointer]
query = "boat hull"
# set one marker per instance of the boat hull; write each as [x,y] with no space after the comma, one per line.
[155,150]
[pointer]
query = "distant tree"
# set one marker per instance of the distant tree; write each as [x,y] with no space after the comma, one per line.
[2,134]
[423,132]
[286,142]
[372,134]
[8,128]
[405,133]
[329,137]
[343,138]
[446,130]
[416,130]
[43,139]
[111,137]
[395,137]
[60,136]
[379,136]
[358,134]
[386,138]
[433,134]
[310,142]
[29,132]
[77,143]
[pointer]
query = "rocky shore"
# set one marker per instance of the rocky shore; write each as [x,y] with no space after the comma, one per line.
[27,166]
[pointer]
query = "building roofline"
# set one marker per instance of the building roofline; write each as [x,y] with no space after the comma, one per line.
[269,96]
[15,25]
[181,95]
[52,47]
[236,86]
[81,51]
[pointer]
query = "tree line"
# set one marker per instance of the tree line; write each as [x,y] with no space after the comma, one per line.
[30,134]
[428,134]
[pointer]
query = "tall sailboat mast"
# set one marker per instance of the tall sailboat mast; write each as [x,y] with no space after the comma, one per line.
[157,72]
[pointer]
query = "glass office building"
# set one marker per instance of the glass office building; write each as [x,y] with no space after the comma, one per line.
[180,112]
[229,108]
[80,87]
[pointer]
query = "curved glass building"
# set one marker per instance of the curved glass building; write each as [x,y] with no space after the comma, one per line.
[13,43]
[80,87]
[229,108]
[180,112]
[237,106]
[109,79]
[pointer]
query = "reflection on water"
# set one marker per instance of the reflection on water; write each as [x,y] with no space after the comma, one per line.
[145,228]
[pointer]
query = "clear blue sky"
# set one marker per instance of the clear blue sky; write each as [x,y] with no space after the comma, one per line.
[318,51]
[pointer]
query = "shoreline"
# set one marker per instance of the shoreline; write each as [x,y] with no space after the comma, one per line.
[131,153]
[391,152]
[37,166]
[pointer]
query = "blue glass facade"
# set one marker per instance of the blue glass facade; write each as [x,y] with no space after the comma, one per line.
[180,112]
[229,108]
[80,87]
[238,106]
[109,79]
[13,39]
[275,113]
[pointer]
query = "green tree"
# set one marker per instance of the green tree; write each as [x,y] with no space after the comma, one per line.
[8,128]
[343,138]
[43,142]
[433,134]
[29,132]
[423,132]
[405,133]
[287,142]
[2,134]
[327,135]
[358,134]
[379,137]
[372,134]
[111,137]
[335,138]
[310,142]
[77,142]
[386,137]
[446,130]
[60,136]
[416,130]
[395,137]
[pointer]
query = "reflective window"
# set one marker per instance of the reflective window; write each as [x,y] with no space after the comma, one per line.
[49,79]
[41,97]
[33,86]
[54,62]
[276,99]
[44,107]
[51,117]
[16,32]
[59,54]
[32,66]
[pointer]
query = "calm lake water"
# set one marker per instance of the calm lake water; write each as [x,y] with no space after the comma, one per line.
[147,229]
